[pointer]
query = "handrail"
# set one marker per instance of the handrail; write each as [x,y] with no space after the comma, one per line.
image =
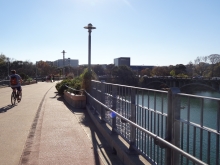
[4,82]
[81,90]
[194,159]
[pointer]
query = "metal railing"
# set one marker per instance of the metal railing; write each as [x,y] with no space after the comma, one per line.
[4,83]
[159,124]
[72,90]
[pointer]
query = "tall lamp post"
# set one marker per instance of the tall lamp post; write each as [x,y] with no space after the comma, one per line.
[89,27]
[63,62]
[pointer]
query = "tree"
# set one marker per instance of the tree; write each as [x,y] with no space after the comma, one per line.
[190,69]
[160,71]
[180,69]
[201,66]
[108,69]
[172,73]
[216,70]
[146,71]
[45,69]
[214,59]
[98,69]
[124,75]
[3,66]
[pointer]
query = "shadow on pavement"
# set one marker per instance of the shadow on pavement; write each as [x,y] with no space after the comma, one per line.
[56,94]
[100,145]
[6,108]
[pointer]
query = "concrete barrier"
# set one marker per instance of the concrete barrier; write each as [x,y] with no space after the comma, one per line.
[76,101]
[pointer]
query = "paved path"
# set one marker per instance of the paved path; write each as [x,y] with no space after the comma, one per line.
[44,130]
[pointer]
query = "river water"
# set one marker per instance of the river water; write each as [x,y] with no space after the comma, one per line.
[191,110]
[210,120]
[195,110]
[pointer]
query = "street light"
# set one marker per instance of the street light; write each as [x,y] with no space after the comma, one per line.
[89,27]
[63,62]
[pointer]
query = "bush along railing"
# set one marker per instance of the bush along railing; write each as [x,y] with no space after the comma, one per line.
[151,121]
[75,100]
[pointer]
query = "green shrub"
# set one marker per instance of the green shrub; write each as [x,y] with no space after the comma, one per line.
[29,79]
[86,79]
[60,86]
[23,76]
[78,83]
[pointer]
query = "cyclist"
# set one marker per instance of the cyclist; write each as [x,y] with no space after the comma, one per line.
[15,82]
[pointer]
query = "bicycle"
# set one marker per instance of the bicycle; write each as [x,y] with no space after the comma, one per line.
[15,96]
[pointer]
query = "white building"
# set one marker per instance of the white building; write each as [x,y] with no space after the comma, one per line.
[122,61]
[66,62]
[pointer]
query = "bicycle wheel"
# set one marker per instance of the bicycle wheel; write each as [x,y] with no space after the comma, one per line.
[20,96]
[13,98]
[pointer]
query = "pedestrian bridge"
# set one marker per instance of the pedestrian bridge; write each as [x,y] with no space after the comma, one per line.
[142,126]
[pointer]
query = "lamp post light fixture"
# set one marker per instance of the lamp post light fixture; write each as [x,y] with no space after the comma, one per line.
[63,62]
[89,27]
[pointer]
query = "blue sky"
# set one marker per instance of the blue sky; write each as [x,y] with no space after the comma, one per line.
[150,32]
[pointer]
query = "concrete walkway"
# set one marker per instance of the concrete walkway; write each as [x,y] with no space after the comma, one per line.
[60,135]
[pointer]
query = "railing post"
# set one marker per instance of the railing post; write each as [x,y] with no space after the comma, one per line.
[88,102]
[102,94]
[218,118]
[173,126]
[133,119]
[114,102]
[92,93]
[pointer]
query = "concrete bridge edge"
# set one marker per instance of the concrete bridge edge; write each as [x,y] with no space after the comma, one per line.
[117,142]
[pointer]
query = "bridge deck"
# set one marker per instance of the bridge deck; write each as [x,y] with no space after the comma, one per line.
[55,133]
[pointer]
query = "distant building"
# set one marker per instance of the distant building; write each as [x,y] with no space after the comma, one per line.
[122,61]
[140,67]
[66,62]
